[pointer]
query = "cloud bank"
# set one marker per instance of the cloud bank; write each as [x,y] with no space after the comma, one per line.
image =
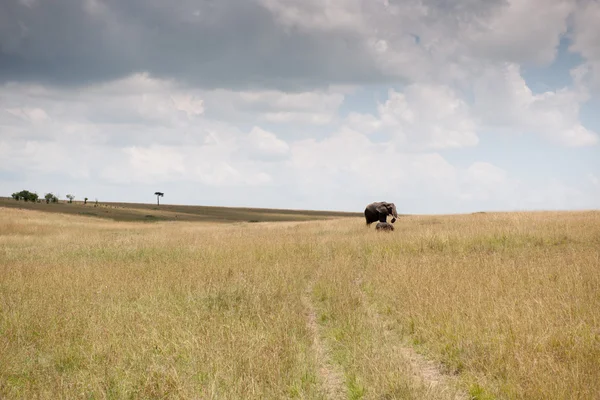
[301,104]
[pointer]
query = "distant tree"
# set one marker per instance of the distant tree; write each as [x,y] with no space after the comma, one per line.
[158,196]
[85,200]
[51,198]
[96,205]
[25,195]
[70,197]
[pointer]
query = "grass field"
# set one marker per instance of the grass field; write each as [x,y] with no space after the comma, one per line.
[482,306]
[136,212]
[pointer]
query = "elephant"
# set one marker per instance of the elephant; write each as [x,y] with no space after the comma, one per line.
[379,211]
[384,226]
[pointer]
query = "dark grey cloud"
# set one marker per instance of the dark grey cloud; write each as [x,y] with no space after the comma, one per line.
[58,42]
[234,44]
[225,43]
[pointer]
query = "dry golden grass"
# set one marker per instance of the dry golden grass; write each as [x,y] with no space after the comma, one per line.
[507,304]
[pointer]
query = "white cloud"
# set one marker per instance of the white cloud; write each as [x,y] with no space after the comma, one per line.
[141,110]
[521,31]
[213,164]
[364,171]
[348,164]
[504,101]
[429,115]
[586,32]
[587,76]
[317,15]
[343,171]
[586,29]
[35,115]
[135,100]
[301,102]
[482,172]
[264,144]
[485,181]
[346,150]
[155,163]
[365,123]
[422,117]
[188,104]
[307,108]
[45,158]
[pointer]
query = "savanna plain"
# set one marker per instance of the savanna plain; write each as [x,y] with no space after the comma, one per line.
[480,306]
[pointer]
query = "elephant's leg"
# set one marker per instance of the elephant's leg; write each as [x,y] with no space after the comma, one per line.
[370,217]
[383,217]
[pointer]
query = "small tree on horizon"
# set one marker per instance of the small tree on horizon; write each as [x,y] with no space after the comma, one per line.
[85,200]
[70,197]
[51,198]
[158,196]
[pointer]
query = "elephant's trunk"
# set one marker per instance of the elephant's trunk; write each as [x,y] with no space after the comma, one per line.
[394,214]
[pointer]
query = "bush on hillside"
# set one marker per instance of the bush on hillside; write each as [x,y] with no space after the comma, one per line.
[25,195]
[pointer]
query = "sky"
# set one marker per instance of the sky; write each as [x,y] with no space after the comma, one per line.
[439,107]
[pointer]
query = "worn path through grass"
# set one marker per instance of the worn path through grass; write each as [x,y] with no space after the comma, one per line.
[430,375]
[330,376]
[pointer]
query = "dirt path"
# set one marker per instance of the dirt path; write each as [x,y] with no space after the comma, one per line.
[426,372]
[330,374]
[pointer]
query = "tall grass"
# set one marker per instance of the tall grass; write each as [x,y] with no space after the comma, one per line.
[508,303]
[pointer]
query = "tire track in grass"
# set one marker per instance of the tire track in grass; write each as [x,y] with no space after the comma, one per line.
[329,374]
[426,372]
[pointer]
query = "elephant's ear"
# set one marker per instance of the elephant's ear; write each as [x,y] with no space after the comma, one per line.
[382,209]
